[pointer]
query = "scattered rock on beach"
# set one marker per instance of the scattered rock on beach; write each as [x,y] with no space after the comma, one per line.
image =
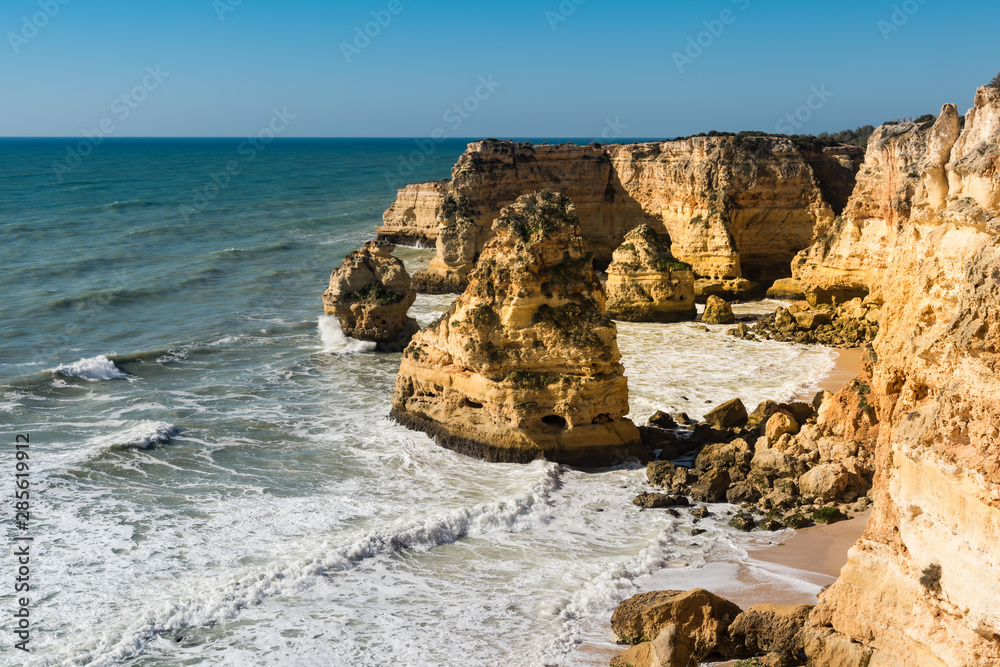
[718,311]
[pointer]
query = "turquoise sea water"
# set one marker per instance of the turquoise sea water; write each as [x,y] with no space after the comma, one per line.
[213,478]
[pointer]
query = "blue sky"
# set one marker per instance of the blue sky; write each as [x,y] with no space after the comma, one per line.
[554,68]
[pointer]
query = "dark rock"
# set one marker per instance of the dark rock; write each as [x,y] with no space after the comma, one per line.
[682,418]
[743,521]
[662,420]
[829,515]
[701,512]
[769,628]
[742,492]
[658,500]
[761,414]
[666,475]
[731,414]
[796,521]
[711,487]
[801,412]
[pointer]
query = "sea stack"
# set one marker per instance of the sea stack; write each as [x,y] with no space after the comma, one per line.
[371,294]
[646,283]
[525,364]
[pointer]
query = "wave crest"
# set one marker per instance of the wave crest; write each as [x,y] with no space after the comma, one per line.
[94,369]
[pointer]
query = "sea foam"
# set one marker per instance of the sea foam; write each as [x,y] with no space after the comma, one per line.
[93,369]
[335,341]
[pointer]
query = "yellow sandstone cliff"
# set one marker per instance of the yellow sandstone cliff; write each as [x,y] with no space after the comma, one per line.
[738,208]
[922,586]
[525,364]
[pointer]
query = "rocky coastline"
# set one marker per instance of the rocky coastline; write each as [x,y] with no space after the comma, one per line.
[893,250]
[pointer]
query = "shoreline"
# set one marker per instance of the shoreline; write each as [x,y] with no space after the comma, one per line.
[786,570]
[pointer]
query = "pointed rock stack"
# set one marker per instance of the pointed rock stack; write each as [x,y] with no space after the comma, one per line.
[370,295]
[525,364]
[646,283]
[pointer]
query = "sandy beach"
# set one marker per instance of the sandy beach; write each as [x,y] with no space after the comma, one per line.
[790,567]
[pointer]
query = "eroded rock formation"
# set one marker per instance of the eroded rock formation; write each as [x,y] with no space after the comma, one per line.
[904,162]
[646,283]
[370,294]
[525,364]
[922,586]
[736,208]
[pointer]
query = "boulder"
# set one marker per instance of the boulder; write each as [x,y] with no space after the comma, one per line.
[659,500]
[662,420]
[665,474]
[825,482]
[525,364]
[761,414]
[370,294]
[711,487]
[718,311]
[646,283]
[699,616]
[768,628]
[731,414]
[778,425]
[724,455]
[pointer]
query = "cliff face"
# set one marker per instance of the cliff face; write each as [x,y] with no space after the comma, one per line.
[525,364]
[922,586]
[734,207]
[850,255]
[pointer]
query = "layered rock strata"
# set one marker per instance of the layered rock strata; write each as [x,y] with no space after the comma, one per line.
[525,364]
[849,256]
[370,294]
[922,586]
[646,283]
[736,208]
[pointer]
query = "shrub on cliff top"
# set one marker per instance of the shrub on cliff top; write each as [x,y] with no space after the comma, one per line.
[995,83]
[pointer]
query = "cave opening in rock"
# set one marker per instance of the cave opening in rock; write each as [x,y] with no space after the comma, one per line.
[554,420]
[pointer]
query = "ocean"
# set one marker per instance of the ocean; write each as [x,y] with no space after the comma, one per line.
[213,478]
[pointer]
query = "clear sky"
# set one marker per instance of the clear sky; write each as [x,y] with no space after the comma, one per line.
[553,68]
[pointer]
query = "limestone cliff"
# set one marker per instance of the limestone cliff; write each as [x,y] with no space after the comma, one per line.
[646,283]
[848,257]
[370,294]
[922,586]
[736,207]
[525,364]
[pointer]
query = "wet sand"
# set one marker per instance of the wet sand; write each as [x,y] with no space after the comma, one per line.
[847,367]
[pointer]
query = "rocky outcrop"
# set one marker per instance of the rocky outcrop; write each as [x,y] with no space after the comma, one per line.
[525,364]
[674,628]
[717,311]
[370,295]
[849,256]
[849,325]
[737,208]
[922,586]
[414,217]
[646,283]
[786,464]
